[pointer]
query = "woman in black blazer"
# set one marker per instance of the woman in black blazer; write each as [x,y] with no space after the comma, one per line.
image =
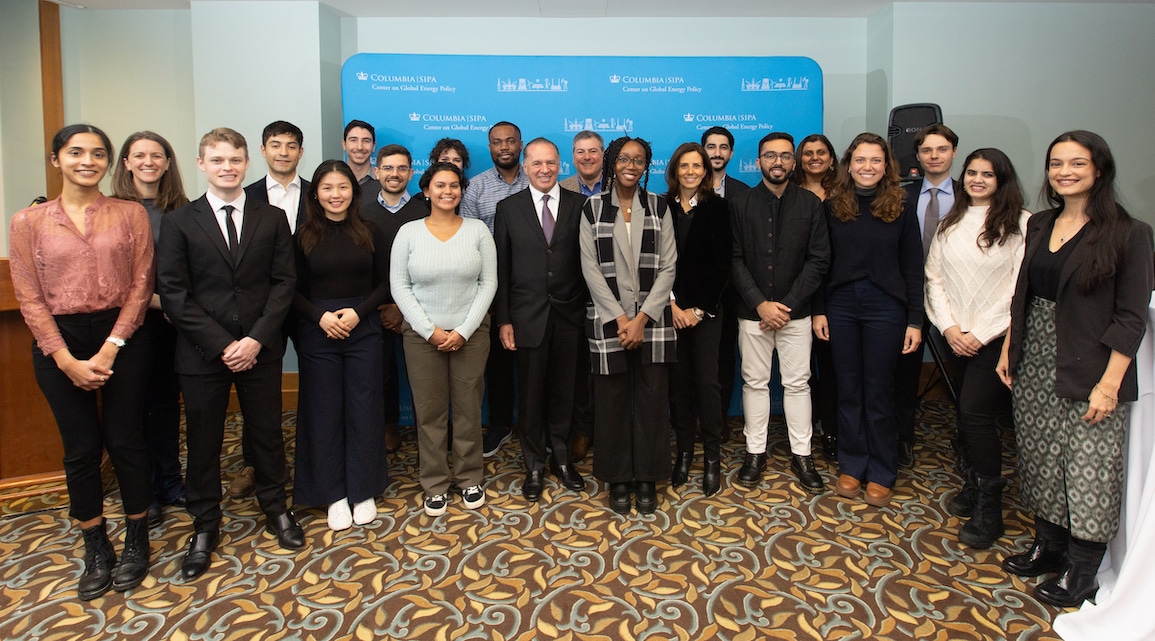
[702,229]
[1077,317]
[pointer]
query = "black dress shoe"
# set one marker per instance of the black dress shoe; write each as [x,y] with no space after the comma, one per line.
[620,497]
[568,475]
[199,554]
[155,516]
[647,497]
[750,473]
[905,454]
[712,477]
[808,478]
[284,525]
[1041,558]
[830,447]
[531,488]
[681,472]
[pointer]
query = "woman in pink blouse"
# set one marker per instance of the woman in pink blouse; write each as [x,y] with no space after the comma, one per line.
[82,269]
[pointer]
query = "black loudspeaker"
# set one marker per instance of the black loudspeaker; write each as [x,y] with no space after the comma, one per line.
[905,123]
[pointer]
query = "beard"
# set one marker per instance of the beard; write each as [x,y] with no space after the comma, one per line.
[775,181]
[513,162]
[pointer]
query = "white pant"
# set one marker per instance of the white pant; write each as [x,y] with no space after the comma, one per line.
[757,347]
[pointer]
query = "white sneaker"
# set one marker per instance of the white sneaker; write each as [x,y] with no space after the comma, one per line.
[365,511]
[473,496]
[435,504]
[339,516]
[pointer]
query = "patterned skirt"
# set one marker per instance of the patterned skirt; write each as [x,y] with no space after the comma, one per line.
[1071,471]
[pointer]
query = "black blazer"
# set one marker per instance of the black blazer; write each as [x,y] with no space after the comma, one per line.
[534,277]
[1089,325]
[733,186]
[260,193]
[211,302]
[703,254]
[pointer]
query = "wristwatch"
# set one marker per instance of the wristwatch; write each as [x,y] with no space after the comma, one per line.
[698,313]
[119,342]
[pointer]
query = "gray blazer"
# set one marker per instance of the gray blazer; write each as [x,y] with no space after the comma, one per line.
[605,307]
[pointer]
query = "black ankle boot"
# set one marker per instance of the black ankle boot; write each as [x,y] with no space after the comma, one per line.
[750,474]
[986,525]
[133,566]
[1048,552]
[962,504]
[712,477]
[99,557]
[1077,582]
[681,472]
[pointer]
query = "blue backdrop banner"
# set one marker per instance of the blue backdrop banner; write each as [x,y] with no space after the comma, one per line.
[415,100]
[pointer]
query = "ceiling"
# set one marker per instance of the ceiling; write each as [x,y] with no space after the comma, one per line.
[571,8]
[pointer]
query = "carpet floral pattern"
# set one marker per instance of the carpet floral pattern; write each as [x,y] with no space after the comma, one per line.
[766,563]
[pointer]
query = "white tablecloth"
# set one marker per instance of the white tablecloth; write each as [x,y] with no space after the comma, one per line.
[1126,600]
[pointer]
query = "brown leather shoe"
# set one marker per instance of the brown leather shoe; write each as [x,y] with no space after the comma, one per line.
[392,438]
[243,484]
[579,446]
[878,495]
[848,486]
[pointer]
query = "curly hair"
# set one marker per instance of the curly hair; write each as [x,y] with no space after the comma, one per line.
[888,202]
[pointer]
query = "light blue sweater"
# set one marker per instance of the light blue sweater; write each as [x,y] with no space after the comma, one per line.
[443,284]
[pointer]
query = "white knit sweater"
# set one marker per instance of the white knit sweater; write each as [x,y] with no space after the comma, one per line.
[970,286]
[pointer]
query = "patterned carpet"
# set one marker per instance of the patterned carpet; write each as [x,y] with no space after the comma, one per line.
[767,563]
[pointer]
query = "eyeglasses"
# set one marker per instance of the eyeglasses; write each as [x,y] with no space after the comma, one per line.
[771,156]
[623,161]
[390,168]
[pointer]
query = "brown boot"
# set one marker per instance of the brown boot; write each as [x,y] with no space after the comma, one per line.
[243,483]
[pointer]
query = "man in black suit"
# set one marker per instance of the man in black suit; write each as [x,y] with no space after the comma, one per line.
[936,147]
[719,145]
[540,310]
[282,145]
[226,278]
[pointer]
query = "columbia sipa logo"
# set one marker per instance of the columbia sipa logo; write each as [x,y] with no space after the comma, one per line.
[615,78]
[414,117]
[361,75]
[688,117]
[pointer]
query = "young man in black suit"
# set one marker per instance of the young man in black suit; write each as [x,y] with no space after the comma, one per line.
[540,311]
[936,147]
[226,277]
[282,145]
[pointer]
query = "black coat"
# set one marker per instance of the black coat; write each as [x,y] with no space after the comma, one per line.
[703,254]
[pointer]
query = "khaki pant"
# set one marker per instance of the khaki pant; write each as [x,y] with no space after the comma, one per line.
[441,380]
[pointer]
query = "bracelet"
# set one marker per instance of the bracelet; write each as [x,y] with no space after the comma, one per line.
[1113,399]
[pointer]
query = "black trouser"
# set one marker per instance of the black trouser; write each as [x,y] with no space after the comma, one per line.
[631,428]
[206,400]
[695,375]
[391,374]
[983,400]
[823,387]
[727,349]
[88,424]
[547,376]
[162,409]
[499,385]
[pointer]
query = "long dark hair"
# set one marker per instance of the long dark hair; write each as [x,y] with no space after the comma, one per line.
[1006,208]
[831,175]
[705,189]
[169,193]
[1108,223]
[313,228]
[610,162]
[888,201]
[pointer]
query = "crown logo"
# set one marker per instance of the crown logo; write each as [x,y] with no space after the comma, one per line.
[688,117]
[361,75]
[615,78]
[414,116]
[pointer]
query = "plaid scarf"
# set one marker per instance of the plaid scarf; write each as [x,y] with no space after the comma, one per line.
[607,354]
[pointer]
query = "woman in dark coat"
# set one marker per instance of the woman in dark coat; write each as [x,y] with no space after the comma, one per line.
[702,229]
[1077,317]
